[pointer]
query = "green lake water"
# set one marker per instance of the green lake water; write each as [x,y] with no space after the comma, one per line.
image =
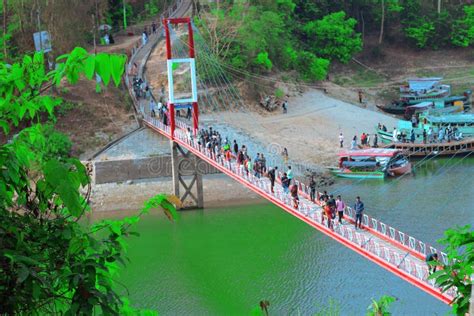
[223,261]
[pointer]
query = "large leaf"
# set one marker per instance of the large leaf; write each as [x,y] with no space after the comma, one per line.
[102,67]
[65,184]
[117,67]
[89,67]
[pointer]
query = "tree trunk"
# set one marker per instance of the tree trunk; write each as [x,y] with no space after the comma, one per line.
[382,21]
[439,7]
[5,29]
[363,25]
[20,15]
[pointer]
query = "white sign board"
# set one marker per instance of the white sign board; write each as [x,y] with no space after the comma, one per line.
[42,41]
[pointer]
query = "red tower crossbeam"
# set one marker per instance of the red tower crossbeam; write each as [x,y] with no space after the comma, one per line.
[169,55]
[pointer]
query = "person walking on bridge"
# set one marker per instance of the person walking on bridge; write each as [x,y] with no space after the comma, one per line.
[340,206]
[272,177]
[285,182]
[326,212]
[312,189]
[263,163]
[294,195]
[290,174]
[236,147]
[432,261]
[332,206]
[359,209]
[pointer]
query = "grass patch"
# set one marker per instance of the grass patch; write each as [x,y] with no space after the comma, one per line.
[359,77]
[65,107]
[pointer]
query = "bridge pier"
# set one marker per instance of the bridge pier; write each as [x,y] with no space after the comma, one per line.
[186,174]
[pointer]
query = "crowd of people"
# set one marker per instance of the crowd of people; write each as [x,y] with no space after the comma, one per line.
[427,135]
[221,148]
[365,141]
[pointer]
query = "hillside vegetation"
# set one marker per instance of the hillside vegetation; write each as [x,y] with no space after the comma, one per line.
[307,36]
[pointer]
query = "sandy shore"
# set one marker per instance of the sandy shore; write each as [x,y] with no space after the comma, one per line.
[310,129]
[219,190]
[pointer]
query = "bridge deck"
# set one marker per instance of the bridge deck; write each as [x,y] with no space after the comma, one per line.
[397,252]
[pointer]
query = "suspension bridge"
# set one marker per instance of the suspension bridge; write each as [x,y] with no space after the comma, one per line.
[386,246]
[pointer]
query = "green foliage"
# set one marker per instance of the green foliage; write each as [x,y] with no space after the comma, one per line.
[114,14]
[56,145]
[64,107]
[457,274]
[263,60]
[259,38]
[463,30]
[333,37]
[49,262]
[394,6]
[380,307]
[151,7]
[290,57]
[421,33]
[279,93]
[311,67]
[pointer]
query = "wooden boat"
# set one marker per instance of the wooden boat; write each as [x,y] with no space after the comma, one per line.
[454,103]
[371,163]
[395,107]
[424,89]
[417,150]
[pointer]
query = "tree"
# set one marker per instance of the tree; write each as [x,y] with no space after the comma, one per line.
[49,262]
[421,33]
[458,272]
[333,37]
[463,30]
[5,29]
[311,67]
[387,6]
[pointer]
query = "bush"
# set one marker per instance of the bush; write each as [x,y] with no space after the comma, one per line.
[279,93]
[312,67]
[57,143]
[263,60]
[421,33]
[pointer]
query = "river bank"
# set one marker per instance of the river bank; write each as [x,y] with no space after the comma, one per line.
[219,190]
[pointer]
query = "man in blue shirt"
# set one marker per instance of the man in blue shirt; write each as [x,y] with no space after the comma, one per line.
[359,209]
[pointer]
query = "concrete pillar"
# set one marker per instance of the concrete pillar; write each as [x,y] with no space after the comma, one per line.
[186,175]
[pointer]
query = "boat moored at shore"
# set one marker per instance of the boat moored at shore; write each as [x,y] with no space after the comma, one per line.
[371,163]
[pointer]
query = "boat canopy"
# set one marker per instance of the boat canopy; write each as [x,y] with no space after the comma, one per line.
[419,84]
[452,118]
[371,152]
[360,164]
[421,105]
